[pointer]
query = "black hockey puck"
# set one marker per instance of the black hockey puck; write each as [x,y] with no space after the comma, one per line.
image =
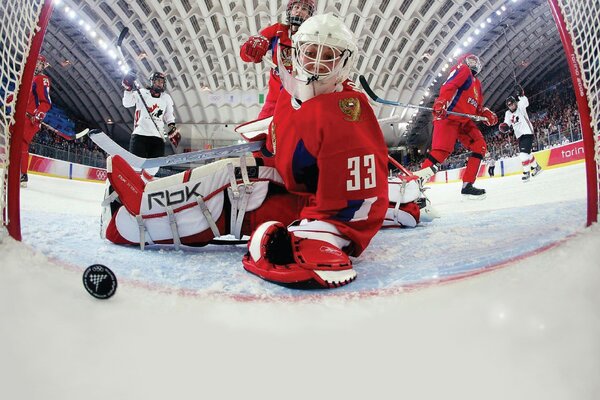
[99,281]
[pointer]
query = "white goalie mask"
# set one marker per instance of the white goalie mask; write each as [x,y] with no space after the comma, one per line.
[323,55]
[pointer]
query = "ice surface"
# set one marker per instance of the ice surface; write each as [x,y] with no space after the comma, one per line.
[194,324]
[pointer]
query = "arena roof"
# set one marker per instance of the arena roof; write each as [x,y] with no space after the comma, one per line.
[404,49]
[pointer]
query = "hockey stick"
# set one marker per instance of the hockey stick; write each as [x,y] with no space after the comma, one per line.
[112,148]
[63,135]
[136,84]
[377,99]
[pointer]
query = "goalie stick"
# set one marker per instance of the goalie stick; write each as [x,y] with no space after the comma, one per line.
[136,84]
[377,99]
[112,148]
[63,135]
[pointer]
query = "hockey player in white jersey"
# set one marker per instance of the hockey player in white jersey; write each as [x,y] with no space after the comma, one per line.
[153,109]
[516,118]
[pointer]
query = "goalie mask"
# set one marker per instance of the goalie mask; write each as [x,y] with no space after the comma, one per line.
[158,82]
[323,55]
[298,11]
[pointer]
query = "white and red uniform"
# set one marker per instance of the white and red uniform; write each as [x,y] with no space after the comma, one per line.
[518,119]
[278,36]
[39,102]
[523,129]
[160,108]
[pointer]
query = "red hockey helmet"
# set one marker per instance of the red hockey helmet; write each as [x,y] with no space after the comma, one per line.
[298,11]
[41,64]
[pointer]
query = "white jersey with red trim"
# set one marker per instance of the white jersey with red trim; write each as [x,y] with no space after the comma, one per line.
[519,119]
[160,108]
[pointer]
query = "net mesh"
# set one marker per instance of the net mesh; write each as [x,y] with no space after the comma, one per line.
[582,19]
[18,24]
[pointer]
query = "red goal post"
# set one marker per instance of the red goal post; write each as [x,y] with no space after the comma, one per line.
[578,24]
[22,27]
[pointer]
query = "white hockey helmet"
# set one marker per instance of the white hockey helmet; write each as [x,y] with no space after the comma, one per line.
[323,55]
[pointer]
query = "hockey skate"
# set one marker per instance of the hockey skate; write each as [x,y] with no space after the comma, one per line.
[472,192]
[24,180]
[526,176]
[536,171]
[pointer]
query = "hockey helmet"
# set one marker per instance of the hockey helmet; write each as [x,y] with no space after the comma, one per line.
[471,61]
[157,77]
[40,64]
[323,55]
[511,101]
[298,11]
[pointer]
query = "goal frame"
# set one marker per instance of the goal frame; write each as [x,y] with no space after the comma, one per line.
[13,196]
[585,114]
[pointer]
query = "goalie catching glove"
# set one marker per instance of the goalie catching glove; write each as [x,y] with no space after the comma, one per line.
[255,48]
[174,135]
[492,118]
[128,81]
[278,255]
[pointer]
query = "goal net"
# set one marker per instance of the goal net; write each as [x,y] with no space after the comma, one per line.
[578,23]
[22,27]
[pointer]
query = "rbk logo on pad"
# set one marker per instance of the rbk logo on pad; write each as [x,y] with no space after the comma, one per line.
[169,198]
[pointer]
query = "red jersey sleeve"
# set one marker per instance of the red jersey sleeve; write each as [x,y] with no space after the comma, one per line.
[40,95]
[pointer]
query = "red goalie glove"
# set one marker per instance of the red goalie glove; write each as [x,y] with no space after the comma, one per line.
[492,119]
[440,109]
[255,48]
[174,135]
[280,256]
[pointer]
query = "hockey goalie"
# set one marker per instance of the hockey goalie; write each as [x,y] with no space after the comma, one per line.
[318,200]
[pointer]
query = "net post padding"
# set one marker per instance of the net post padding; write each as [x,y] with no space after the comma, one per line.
[13,222]
[583,87]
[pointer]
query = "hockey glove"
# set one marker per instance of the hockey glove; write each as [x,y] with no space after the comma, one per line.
[491,117]
[174,135]
[128,81]
[37,117]
[255,48]
[504,127]
[519,91]
[440,109]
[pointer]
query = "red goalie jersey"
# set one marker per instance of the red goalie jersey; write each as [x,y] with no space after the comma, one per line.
[331,149]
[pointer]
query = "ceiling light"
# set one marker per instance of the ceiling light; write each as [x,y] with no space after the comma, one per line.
[498,12]
[503,8]
[489,20]
[477,31]
[482,25]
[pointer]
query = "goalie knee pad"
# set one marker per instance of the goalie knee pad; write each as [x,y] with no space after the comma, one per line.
[188,208]
[277,255]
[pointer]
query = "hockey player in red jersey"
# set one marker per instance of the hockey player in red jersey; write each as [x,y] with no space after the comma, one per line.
[37,107]
[323,201]
[460,93]
[274,37]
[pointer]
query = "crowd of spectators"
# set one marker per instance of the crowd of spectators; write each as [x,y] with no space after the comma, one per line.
[81,151]
[555,118]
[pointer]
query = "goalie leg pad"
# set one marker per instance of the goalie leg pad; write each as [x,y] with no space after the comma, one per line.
[277,255]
